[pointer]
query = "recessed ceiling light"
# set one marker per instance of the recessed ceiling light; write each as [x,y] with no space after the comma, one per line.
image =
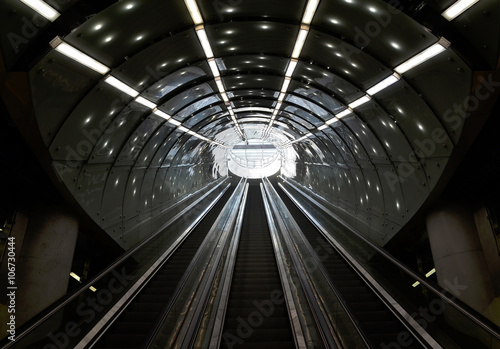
[42,8]
[97,27]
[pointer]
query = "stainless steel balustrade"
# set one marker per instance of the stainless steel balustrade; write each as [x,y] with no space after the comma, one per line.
[318,203]
[74,321]
[182,325]
[337,325]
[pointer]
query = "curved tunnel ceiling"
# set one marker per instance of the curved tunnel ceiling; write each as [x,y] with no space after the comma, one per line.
[377,161]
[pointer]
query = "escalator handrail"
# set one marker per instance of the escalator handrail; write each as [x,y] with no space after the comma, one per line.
[321,319]
[65,301]
[299,336]
[150,342]
[464,309]
[334,288]
[220,317]
[419,332]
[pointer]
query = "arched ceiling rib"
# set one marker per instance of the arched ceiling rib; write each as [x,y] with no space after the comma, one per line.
[377,160]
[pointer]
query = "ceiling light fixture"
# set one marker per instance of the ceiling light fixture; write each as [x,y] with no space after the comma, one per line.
[311,8]
[121,86]
[42,8]
[331,121]
[224,96]
[458,8]
[205,43]
[220,85]
[291,68]
[384,84]
[286,84]
[183,129]
[360,102]
[344,113]
[174,122]
[194,11]
[423,56]
[60,46]
[145,102]
[214,68]
[301,40]
[161,114]
[322,127]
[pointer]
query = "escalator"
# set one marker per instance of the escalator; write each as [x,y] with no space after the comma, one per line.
[379,324]
[133,326]
[256,315]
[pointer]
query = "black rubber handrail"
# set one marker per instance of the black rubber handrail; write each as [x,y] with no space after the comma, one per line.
[57,307]
[465,310]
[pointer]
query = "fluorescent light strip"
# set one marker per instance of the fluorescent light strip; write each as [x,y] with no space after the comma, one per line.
[332,121]
[286,84]
[202,36]
[220,85]
[161,114]
[92,288]
[174,122]
[74,276]
[214,68]
[121,86]
[224,96]
[194,11]
[301,40]
[145,102]
[42,8]
[384,84]
[311,8]
[253,109]
[360,101]
[458,8]
[291,68]
[322,127]
[77,55]
[344,113]
[183,129]
[420,58]
[430,272]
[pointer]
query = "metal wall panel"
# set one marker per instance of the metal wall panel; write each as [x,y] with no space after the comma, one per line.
[131,200]
[57,75]
[90,187]
[90,119]
[137,140]
[113,196]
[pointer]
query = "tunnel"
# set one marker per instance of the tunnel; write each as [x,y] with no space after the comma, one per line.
[355,136]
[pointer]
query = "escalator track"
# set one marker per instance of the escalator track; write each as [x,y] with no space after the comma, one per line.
[379,324]
[256,315]
[133,326]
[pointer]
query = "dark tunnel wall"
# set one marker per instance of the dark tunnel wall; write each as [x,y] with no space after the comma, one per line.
[378,164]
